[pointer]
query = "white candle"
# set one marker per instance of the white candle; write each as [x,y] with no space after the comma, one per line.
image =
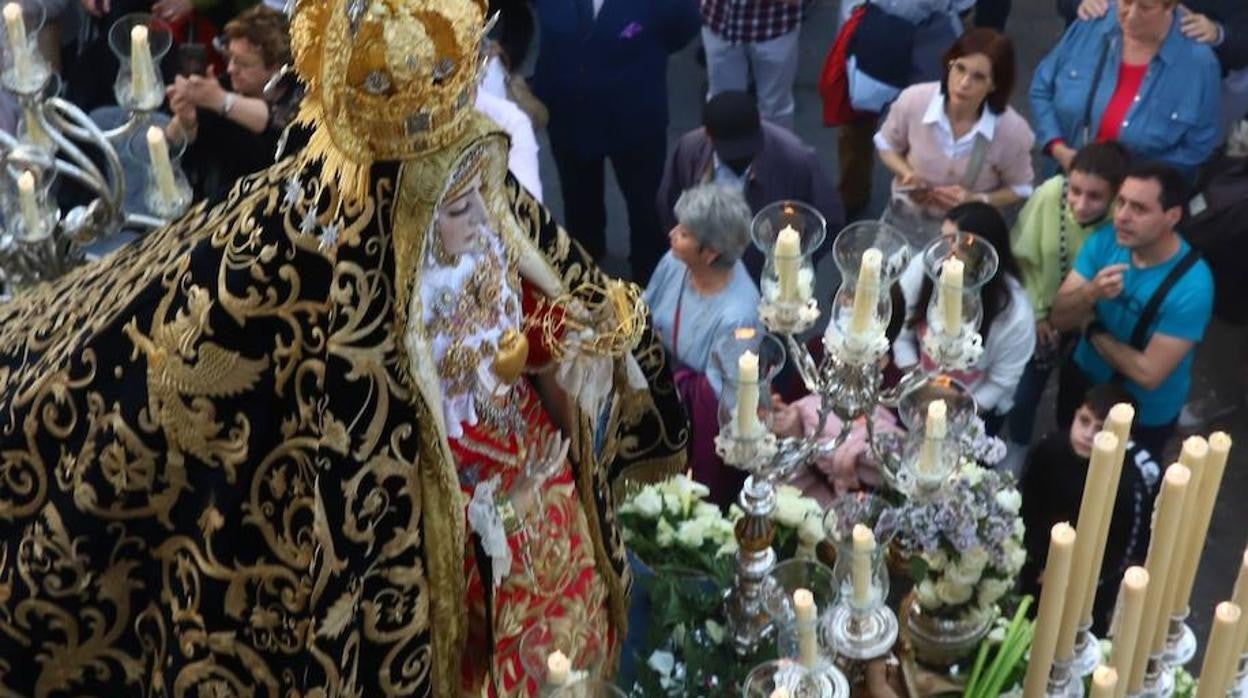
[1119,424]
[1221,656]
[866,293]
[788,254]
[747,395]
[934,432]
[1049,612]
[1239,598]
[951,271]
[1095,504]
[1202,495]
[142,70]
[28,204]
[16,28]
[1104,682]
[162,168]
[558,668]
[864,550]
[780,692]
[807,644]
[1126,631]
[34,131]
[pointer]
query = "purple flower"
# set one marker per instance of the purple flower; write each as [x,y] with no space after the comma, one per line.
[632,30]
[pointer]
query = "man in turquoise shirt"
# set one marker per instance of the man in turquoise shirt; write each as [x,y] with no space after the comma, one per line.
[1116,275]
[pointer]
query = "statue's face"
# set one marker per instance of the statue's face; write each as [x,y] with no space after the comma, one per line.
[462,220]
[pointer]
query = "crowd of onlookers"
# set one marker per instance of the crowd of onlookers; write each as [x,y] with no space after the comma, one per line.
[1100,275]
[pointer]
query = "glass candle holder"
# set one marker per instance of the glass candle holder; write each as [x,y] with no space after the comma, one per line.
[851,562]
[579,644]
[587,688]
[788,274]
[139,86]
[796,636]
[23,72]
[871,256]
[928,462]
[166,192]
[799,681]
[27,202]
[955,311]
[745,362]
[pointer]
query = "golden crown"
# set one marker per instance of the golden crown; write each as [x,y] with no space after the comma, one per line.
[386,79]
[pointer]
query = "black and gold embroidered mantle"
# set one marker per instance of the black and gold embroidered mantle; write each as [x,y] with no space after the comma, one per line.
[218,476]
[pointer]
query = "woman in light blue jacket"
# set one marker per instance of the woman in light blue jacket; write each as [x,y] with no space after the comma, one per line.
[1133,77]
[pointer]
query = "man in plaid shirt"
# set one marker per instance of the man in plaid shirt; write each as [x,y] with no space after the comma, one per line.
[754,36]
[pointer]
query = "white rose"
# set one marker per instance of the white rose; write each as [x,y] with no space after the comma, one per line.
[1020,529]
[975,559]
[648,503]
[665,535]
[1010,500]
[972,474]
[1017,559]
[662,662]
[991,591]
[952,593]
[706,510]
[790,510]
[810,531]
[962,575]
[671,501]
[936,561]
[692,534]
[928,598]
[728,548]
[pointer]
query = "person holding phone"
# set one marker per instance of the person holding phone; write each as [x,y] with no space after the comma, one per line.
[231,125]
[1143,298]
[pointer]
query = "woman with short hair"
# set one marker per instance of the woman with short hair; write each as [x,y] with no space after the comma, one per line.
[699,294]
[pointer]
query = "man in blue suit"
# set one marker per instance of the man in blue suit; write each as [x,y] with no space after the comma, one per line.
[602,72]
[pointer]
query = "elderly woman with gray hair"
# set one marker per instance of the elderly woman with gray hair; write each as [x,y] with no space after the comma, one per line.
[699,293]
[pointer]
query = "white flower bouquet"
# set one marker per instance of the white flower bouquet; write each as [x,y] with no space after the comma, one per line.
[670,526]
[797,521]
[965,546]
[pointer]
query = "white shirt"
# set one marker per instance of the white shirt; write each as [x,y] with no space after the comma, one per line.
[954,148]
[1011,341]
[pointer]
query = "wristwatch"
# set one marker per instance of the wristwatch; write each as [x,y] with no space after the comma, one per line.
[227,104]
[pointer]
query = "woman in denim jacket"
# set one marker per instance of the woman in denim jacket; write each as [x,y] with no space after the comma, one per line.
[1133,77]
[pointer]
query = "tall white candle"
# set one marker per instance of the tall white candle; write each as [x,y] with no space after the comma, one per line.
[1202,495]
[864,550]
[1132,594]
[28,204]
[1049,612]
[1221,655]
[807,644]
[747,395]
[142,70]
[951,272]
[162,168]
[1119,424]
[1240,598]
[18,46]
[558,668]
[1104,682]
[934,431]
[866,293]
[788,254]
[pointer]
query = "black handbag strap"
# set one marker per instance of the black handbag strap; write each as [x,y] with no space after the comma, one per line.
[1096,83]
[1139,337]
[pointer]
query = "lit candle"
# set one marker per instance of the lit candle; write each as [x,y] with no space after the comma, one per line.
[1049,612]
[788,257]
[1095,505]
[20,49]
[28,205]
[1126,631]
[142,70]
[866,293]
[1117,423]
[1202,496]
[1221,655]
[1166,526]
[558,668]
[807,644]
[1240,597]
[934,431]
[1104,682]
[162,168]
[951,271]
[864,550]
[747,395]
[34,131]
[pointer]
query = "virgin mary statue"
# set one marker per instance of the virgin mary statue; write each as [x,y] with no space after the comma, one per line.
[353,432]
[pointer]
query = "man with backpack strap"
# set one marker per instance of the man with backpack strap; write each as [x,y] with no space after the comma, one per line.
[1143,299]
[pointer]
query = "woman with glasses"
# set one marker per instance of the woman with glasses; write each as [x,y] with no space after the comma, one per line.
[958,140]
[1130,76]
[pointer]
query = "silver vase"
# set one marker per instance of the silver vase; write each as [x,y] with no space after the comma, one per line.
[941,642]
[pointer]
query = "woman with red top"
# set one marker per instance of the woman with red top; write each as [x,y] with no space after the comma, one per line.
[1130,76]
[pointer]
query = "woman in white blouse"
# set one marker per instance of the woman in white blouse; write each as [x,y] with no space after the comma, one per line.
[1008,328]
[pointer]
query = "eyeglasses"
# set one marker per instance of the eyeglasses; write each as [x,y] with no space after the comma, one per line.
[959,71]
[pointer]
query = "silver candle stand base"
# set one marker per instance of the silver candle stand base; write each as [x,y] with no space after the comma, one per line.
[862,635]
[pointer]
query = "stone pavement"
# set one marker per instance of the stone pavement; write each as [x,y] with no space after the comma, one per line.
[1222,361]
